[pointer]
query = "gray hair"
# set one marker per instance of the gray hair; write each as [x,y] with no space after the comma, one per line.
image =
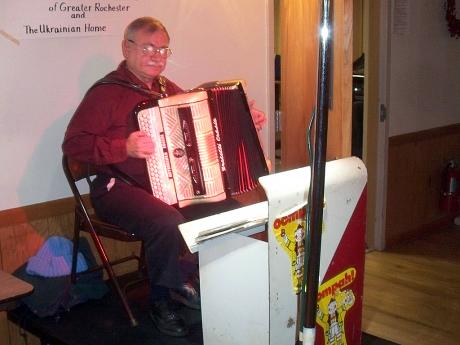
[148,24]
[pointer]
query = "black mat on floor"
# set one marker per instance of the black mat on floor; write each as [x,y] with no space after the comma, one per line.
[103,322]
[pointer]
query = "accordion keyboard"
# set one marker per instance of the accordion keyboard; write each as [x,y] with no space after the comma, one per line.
[158,166]
[155,177]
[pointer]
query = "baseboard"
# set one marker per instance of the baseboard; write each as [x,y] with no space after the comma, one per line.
[439,224]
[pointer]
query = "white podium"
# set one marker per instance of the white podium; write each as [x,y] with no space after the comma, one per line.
[247,291]
[233,275]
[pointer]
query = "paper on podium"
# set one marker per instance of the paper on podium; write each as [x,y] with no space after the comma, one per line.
[251,218]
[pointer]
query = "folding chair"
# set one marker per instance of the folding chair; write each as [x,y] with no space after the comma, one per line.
[88,222]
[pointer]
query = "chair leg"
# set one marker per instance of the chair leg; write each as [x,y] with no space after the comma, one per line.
[142,266]
[113,278]
[76,241]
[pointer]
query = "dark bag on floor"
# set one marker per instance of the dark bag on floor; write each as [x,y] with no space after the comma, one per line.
[54,295]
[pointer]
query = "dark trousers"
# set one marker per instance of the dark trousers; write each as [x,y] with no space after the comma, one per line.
[156,223]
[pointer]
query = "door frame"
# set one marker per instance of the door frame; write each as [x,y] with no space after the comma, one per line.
[377,49]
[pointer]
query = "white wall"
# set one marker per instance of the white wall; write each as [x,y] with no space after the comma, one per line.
[43,80]
[425,70]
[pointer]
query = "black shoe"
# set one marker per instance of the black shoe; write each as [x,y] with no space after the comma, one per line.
[167,320]
[187,295]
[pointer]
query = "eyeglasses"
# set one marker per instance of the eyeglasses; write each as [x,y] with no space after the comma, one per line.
[148,49]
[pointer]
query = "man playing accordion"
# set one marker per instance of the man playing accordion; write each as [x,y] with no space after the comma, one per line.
[103,132]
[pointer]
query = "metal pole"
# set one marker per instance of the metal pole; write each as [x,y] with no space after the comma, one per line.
[309,292]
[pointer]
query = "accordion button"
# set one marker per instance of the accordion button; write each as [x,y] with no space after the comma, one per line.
[178,152]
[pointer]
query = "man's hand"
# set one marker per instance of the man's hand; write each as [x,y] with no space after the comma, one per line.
[258,116]
[139,145]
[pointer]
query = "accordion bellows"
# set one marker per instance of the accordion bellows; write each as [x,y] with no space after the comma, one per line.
[206,145]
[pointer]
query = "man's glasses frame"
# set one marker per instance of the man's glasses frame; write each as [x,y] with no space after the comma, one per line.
[148,49]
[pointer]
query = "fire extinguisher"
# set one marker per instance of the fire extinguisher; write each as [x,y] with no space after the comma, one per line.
[450,187]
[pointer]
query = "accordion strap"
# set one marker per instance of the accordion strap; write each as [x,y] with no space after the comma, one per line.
[128,179]
[136,87]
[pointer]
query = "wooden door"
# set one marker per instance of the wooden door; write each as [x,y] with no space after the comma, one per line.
[299,25]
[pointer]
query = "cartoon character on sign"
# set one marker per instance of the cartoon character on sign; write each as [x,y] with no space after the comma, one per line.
[289,232]
[299,236]
[333,319]
[285,238]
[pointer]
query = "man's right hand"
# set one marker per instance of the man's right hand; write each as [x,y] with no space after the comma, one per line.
[139,145]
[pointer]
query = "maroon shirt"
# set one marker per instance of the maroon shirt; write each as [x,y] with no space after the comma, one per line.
[101,124]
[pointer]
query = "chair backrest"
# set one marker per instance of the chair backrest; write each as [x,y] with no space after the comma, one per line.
[75,171]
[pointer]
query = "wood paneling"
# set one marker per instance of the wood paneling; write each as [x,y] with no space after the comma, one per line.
[415,165]
[33,212]
[340,114]
[299,55]
[358,45]
[18,336]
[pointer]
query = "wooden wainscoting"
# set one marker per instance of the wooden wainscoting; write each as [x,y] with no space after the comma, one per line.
[415,165]
[22,232]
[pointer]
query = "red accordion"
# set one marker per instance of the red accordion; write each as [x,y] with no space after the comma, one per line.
[207,147]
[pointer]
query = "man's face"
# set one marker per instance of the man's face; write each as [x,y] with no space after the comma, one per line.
[145,65]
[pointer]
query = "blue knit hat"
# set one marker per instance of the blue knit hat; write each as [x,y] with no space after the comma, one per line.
[54,259]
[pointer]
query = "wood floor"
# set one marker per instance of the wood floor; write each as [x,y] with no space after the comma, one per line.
[412,292]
